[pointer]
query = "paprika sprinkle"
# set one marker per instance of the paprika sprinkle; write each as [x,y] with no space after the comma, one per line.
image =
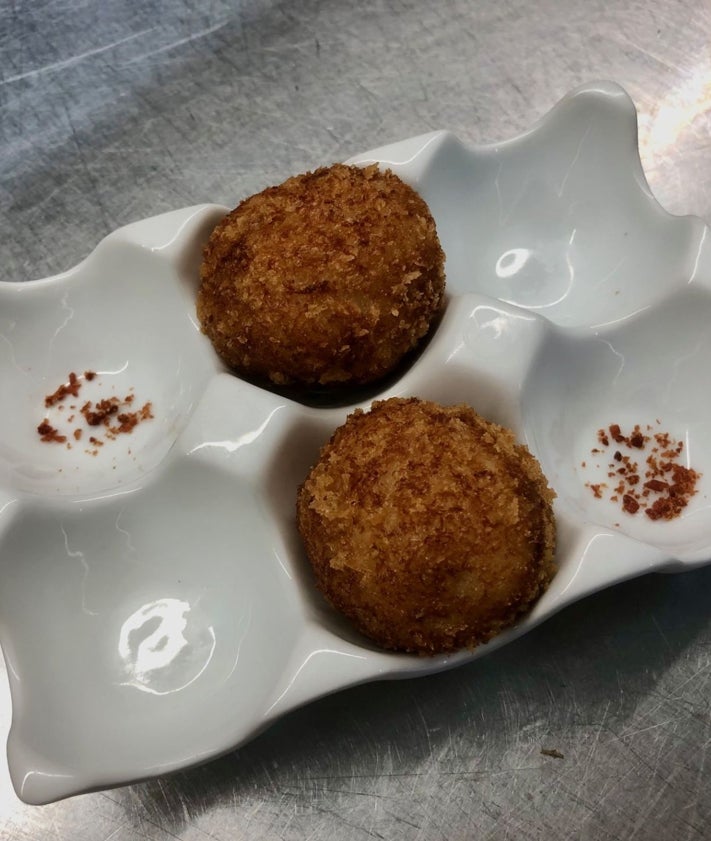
[661,487]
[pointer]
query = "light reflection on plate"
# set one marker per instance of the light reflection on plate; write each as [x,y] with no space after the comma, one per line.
[157,655]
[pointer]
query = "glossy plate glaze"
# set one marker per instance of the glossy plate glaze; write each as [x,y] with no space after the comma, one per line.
[156,608]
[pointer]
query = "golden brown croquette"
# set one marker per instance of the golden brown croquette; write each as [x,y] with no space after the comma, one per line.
[429,527]
[329,278]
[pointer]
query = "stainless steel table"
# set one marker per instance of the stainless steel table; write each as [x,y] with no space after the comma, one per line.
[111,112]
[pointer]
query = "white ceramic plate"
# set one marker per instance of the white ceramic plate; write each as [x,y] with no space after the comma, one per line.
[155,605]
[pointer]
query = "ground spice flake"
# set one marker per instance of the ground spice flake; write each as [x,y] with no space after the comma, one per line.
[48,433]
[107,417]
[72,387]
[662,488]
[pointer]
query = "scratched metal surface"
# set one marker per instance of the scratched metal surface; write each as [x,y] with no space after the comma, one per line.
[110,112]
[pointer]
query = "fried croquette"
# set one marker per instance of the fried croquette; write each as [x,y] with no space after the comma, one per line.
[429,527]
[329,278]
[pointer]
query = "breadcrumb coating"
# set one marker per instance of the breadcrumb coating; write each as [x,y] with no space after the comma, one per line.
[429,527]
[327,279]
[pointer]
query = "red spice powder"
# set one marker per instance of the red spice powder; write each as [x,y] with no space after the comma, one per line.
[665,487]
[48,433]
[97,413]
[603,439]
[109,413]
[71,387]
[129,420]
[630,504]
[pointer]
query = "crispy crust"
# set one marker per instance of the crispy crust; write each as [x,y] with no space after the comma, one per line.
[429,527]
[329,278]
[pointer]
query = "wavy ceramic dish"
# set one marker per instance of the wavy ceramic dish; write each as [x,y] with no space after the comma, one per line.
[156,608]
